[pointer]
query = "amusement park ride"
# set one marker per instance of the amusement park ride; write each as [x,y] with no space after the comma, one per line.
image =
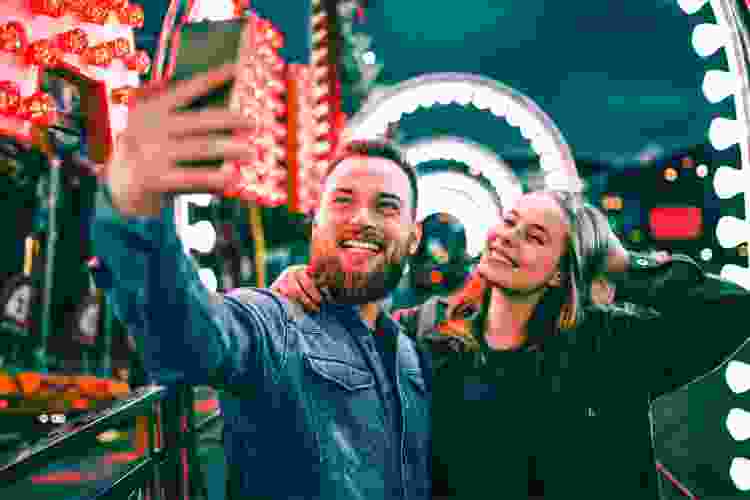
[70,70]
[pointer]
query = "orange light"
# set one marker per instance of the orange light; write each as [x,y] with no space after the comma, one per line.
[670,174]
[79,404]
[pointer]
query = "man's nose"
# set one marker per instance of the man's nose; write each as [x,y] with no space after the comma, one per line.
[363,217]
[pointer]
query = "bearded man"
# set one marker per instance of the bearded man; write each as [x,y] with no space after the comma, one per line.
[329,405]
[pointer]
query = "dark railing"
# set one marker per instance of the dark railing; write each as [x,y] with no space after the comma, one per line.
[168,469]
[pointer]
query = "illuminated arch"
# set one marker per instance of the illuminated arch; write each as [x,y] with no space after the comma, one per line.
[728,32]
[546,140]
[461,194]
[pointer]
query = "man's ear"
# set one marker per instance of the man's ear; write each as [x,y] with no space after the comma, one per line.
[416,238]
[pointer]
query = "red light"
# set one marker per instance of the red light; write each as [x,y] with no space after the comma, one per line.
[79,404]
[4,404]
[676,223]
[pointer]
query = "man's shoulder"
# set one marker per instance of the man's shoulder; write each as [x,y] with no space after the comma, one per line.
[266,301]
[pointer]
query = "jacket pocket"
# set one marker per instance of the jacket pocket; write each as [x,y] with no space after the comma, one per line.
[417,380]
[348,377]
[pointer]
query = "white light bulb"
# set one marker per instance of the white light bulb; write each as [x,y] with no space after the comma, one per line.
[740,473]
[368,57]
[729,182]
[718,85]
[738,376]
[200,236]
[202,200]
[731,231]
[708,38]
[724,133]
[736,274]
[738,424]
[208,278]
[691,6]
[707,254]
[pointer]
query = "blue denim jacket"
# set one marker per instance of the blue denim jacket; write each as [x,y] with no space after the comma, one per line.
[309,410]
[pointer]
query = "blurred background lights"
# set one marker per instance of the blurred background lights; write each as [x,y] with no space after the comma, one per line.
[740,473]
[208,278]
[731,231]
[200,236]
[738,424]
[738,376]
[718,85]
[724,133]
[701,171]
[368,57]
[691,6]
[728,182]
[707,254]
[708,38]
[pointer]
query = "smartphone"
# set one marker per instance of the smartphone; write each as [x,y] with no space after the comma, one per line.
[202,46]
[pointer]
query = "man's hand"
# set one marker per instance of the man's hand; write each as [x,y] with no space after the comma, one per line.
[143,167]
[296,284]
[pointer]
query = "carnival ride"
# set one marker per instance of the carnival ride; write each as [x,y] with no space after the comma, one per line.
[70,69]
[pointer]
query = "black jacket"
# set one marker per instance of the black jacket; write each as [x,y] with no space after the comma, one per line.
[572,421]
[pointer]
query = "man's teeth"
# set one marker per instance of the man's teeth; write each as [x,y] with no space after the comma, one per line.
[360,244]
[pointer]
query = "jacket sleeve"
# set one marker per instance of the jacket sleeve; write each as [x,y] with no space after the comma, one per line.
[699,325]
[186,333]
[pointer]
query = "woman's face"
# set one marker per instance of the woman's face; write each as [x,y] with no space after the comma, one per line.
[523,251]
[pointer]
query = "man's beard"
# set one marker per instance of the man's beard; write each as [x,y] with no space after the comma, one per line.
[355,288]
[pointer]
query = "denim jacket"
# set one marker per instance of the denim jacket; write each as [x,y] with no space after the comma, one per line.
[309,410]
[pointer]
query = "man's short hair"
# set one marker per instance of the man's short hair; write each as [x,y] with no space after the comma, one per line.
[379,149]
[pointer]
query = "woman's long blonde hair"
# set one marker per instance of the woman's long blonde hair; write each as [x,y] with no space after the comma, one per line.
[560,308]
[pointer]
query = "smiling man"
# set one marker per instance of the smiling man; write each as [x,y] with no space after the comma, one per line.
[328,405]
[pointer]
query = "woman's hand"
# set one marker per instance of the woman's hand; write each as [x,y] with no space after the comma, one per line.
[297,284]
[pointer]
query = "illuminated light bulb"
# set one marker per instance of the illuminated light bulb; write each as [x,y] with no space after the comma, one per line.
[670,174]
[691,6]
[738,376]
[120,47]
[731,231]
[729,182]
[74,41]
[42,53]
[718,85]
[701,171]
[738,424]
[208,278]
[724,133]
[99,55]
[10,98]
[132,15]
[708,38]
[736,274]
[52,8]
[138,61]
[740,473]
[13,37]
[39,108]
[96,13]
[202,200]
[707,254]
[200,236]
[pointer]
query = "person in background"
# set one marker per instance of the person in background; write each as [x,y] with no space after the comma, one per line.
[538,392]
[345,380]
[439,267]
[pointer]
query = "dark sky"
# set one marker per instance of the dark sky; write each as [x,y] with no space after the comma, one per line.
[615,76]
